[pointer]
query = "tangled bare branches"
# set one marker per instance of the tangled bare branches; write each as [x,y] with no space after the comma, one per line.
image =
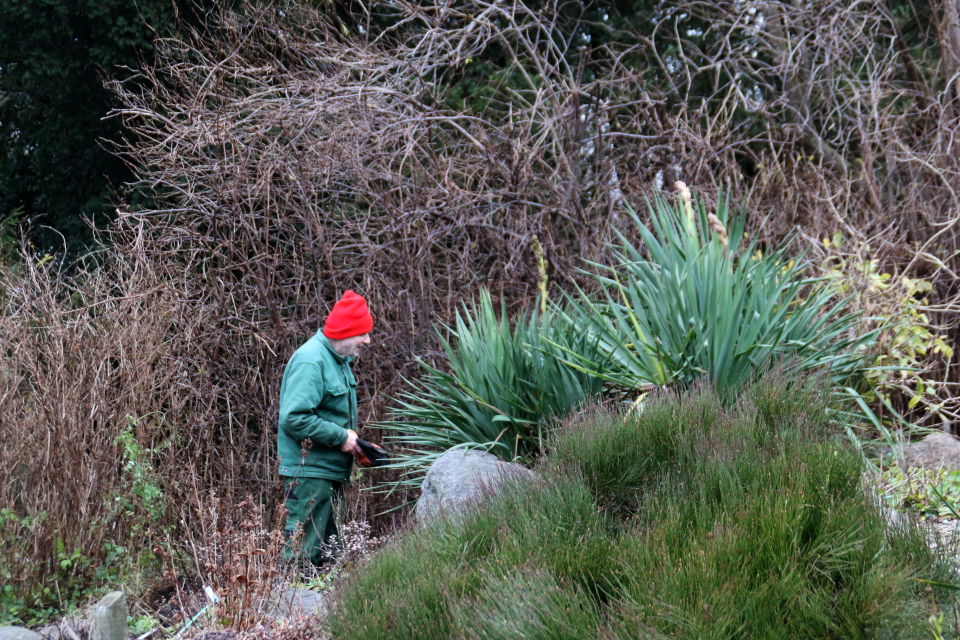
[292,156]
[291,163]
[95,392]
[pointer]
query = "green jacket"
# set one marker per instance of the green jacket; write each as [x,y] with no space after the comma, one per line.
[318,400]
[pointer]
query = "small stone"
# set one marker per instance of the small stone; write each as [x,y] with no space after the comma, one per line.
[894,517]
[461,478]
[938,450]
[110,618]
[298,602]
[18,633]
[51,632]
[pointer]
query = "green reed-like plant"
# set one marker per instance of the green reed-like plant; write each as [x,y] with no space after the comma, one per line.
[505,382]
[692,303]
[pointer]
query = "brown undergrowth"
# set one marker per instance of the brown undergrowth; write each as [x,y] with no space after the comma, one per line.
[287,156]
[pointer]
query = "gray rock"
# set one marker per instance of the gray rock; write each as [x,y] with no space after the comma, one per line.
[933,452]
[80,624]
[51,632]
[461,478]
[298,602]
[18,633]
[110,618]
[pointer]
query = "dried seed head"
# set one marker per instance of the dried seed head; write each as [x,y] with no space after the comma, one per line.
[305,447]
[719,229]
[684,192]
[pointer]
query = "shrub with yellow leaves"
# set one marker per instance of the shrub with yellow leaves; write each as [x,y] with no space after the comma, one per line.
[911,351]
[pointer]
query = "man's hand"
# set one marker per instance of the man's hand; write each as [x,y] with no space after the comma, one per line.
[350,446]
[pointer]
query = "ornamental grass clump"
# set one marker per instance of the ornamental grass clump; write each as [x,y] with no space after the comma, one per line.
[432,582]
[528,603]
[697,299]
[693,518]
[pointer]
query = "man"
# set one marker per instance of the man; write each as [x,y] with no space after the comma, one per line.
[318,421]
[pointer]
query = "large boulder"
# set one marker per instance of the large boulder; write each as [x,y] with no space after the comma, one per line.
[938,450]
[461,478]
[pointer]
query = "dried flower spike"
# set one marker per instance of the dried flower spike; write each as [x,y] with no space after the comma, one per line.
[684,192]
[720,230]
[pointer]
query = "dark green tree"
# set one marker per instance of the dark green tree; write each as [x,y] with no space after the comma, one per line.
[54,55]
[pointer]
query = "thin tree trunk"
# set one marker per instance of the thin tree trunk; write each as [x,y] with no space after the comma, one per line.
[792,87]
[950,42]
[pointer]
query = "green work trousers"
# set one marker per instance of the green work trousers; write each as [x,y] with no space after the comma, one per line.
[317,505]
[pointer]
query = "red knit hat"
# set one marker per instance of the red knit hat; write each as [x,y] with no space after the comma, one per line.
[350,317]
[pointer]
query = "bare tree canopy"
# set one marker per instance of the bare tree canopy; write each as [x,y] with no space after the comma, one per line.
[294,155]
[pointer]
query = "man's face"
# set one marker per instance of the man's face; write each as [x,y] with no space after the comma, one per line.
[350,346]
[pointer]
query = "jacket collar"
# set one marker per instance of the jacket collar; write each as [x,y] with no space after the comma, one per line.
[336,356]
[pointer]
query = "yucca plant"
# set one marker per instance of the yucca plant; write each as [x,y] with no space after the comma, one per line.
[691,303]
[505,383]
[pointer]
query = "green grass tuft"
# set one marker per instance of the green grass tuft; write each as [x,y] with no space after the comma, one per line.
[413,588]
[688,519]
[529,603]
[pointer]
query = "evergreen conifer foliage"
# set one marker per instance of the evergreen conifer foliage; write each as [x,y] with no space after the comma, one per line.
[54,56]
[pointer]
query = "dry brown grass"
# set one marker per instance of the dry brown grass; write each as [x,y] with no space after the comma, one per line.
[86,358]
